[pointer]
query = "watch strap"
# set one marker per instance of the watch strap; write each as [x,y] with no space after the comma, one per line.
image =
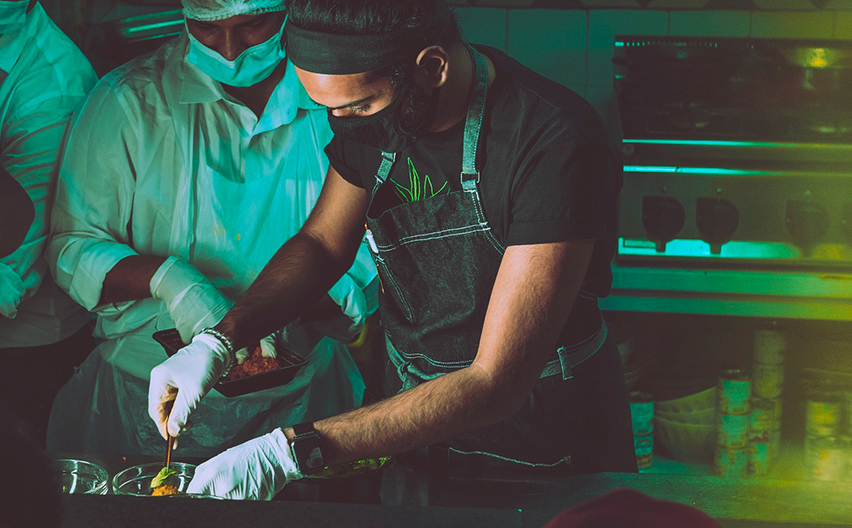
[304,429]
[306,449]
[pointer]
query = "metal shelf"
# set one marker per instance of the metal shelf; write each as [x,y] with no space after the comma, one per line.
[794,295]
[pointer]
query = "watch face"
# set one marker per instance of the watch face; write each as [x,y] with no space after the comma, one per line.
[315,460]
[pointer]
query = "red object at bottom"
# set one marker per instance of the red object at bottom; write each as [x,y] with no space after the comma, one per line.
[630,509]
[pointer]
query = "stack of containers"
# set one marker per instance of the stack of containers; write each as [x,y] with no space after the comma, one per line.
[826,455]
[770,347]
[846,430]
[642,416]
[761,429]
[733,418]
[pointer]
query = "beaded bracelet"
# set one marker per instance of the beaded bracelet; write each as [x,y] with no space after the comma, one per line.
[225,341]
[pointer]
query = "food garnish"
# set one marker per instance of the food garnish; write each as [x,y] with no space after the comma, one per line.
[162,477]
[165,489]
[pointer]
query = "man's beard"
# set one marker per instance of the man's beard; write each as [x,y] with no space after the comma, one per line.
[418,110]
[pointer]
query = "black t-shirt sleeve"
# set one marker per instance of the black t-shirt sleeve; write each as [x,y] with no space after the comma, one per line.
[564,189]
[345,158]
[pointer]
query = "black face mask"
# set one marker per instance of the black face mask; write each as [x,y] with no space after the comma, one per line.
[393,128]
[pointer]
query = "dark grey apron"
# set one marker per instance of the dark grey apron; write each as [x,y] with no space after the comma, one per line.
[438,261]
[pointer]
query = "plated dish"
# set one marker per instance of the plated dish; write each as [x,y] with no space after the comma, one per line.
[143,481]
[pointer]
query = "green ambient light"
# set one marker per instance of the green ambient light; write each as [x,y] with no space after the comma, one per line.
[649,168]
[723,143]
[698,248]
[150,27]
[705,171]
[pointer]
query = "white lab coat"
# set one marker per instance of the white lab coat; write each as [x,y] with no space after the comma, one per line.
[161,161]
[44,78]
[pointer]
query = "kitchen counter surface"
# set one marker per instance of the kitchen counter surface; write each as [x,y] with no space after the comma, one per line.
[414,493]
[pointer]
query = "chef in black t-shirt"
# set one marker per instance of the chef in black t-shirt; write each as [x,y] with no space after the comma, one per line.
[489,195]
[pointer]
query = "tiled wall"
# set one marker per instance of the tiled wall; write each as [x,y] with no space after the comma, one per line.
[574,46]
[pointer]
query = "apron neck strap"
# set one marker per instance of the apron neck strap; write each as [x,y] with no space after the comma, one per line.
[388,159]
[473,122]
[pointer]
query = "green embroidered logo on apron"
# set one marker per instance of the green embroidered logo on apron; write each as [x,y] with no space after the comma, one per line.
[416,190]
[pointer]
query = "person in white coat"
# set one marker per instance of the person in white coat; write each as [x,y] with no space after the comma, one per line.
[185,171]
[44,78]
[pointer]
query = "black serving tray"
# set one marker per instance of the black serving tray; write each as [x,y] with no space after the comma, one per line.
[171,342]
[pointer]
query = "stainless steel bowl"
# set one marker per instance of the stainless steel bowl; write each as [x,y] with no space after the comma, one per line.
[80,476]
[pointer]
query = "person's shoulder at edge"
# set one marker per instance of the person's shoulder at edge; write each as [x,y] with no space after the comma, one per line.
[149,69]
[52,60]
[545,103]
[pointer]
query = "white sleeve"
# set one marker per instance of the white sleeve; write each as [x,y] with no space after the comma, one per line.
[356,293]
[94,198]
[32,135]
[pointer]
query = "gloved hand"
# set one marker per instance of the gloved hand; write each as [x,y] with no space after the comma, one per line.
[256,469]
[185,378]
[191,299]
[267,349]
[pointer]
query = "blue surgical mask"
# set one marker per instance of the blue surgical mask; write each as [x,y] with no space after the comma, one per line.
[13,15]
[252,66]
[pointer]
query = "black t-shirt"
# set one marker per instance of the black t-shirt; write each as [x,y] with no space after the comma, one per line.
[549,171]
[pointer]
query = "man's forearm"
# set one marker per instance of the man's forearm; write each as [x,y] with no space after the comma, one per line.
[130,279]
[295,279]
[442,408]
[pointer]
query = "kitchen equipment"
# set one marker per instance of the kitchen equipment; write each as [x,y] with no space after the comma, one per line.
[136,480]
[735,199]
[686,442]
[130,29]
[170,441]
[693,403]
[805,74]
[683,67]
[290,363]
[80,476]
[685,426]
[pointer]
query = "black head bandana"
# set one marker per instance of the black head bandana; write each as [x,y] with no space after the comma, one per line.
[342,54]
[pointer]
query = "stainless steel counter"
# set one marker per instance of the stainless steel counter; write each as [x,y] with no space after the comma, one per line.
[413,493]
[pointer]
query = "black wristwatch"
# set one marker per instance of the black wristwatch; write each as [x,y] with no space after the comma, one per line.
[305,447]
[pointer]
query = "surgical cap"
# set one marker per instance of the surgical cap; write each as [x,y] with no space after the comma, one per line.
[206,10]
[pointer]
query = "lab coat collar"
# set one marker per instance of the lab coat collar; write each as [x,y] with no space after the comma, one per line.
[284,103]
[195,86]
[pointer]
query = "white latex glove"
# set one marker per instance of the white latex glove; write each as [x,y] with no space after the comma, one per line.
[256,469]
[185,378]
[191,299]
[267,349]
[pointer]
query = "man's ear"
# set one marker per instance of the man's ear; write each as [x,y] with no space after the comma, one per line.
[434,61]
